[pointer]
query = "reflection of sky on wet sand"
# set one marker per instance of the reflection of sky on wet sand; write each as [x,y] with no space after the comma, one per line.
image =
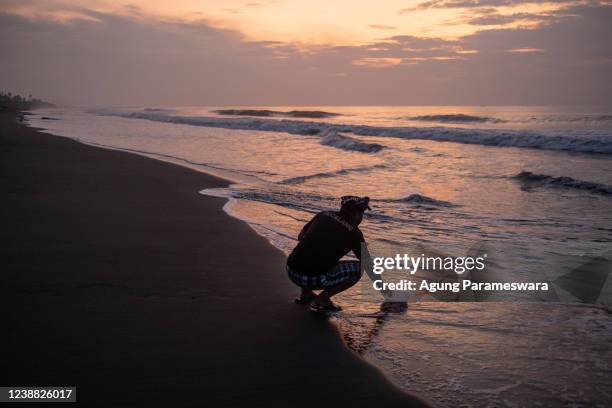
[483,353]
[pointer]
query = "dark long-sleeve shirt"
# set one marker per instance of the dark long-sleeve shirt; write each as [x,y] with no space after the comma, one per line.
[322,242]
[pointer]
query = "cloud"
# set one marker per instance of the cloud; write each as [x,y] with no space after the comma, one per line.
[377,62]
[448,4]
[134,59]
[493,18]
[382,27]
[526,50]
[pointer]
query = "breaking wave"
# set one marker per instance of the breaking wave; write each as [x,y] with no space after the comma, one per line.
[570,118]
[342,172]
[456,118]
[271,113]
[163,110]
[421,200]
[531,180]
[339,141]
[593,141]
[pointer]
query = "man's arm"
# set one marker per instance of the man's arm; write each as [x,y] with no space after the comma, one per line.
[357,244]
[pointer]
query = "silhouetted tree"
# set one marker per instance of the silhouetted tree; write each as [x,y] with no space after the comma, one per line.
[18,102]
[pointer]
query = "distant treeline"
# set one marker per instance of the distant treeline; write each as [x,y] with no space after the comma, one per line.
[18,102]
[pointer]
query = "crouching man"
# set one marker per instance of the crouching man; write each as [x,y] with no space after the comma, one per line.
[314,264]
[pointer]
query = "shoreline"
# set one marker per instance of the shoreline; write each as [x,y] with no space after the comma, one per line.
[120,273]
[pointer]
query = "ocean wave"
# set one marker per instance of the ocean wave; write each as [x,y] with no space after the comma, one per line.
[296,200]
[456,118]
[339,141]
[342,172]
[593,141]
[271,113]
[420,200]
[531,180]
[570,118]
[165,110]
[306,201]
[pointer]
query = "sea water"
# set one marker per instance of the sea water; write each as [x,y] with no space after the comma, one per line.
[532,185]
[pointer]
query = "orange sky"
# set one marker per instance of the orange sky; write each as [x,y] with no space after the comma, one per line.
[301,52]
[307,22]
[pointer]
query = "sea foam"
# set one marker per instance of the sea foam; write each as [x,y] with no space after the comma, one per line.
[591,141]
[530,180]
[334,139]
[272,113]
[456,118]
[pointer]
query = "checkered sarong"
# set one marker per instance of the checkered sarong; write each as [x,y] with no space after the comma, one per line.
[341,272]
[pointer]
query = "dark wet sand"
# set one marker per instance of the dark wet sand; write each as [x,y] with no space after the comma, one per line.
[119,278]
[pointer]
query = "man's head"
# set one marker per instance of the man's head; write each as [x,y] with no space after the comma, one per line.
[353,207]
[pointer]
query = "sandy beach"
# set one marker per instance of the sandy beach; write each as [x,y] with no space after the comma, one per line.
[431,179]
[119,278]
